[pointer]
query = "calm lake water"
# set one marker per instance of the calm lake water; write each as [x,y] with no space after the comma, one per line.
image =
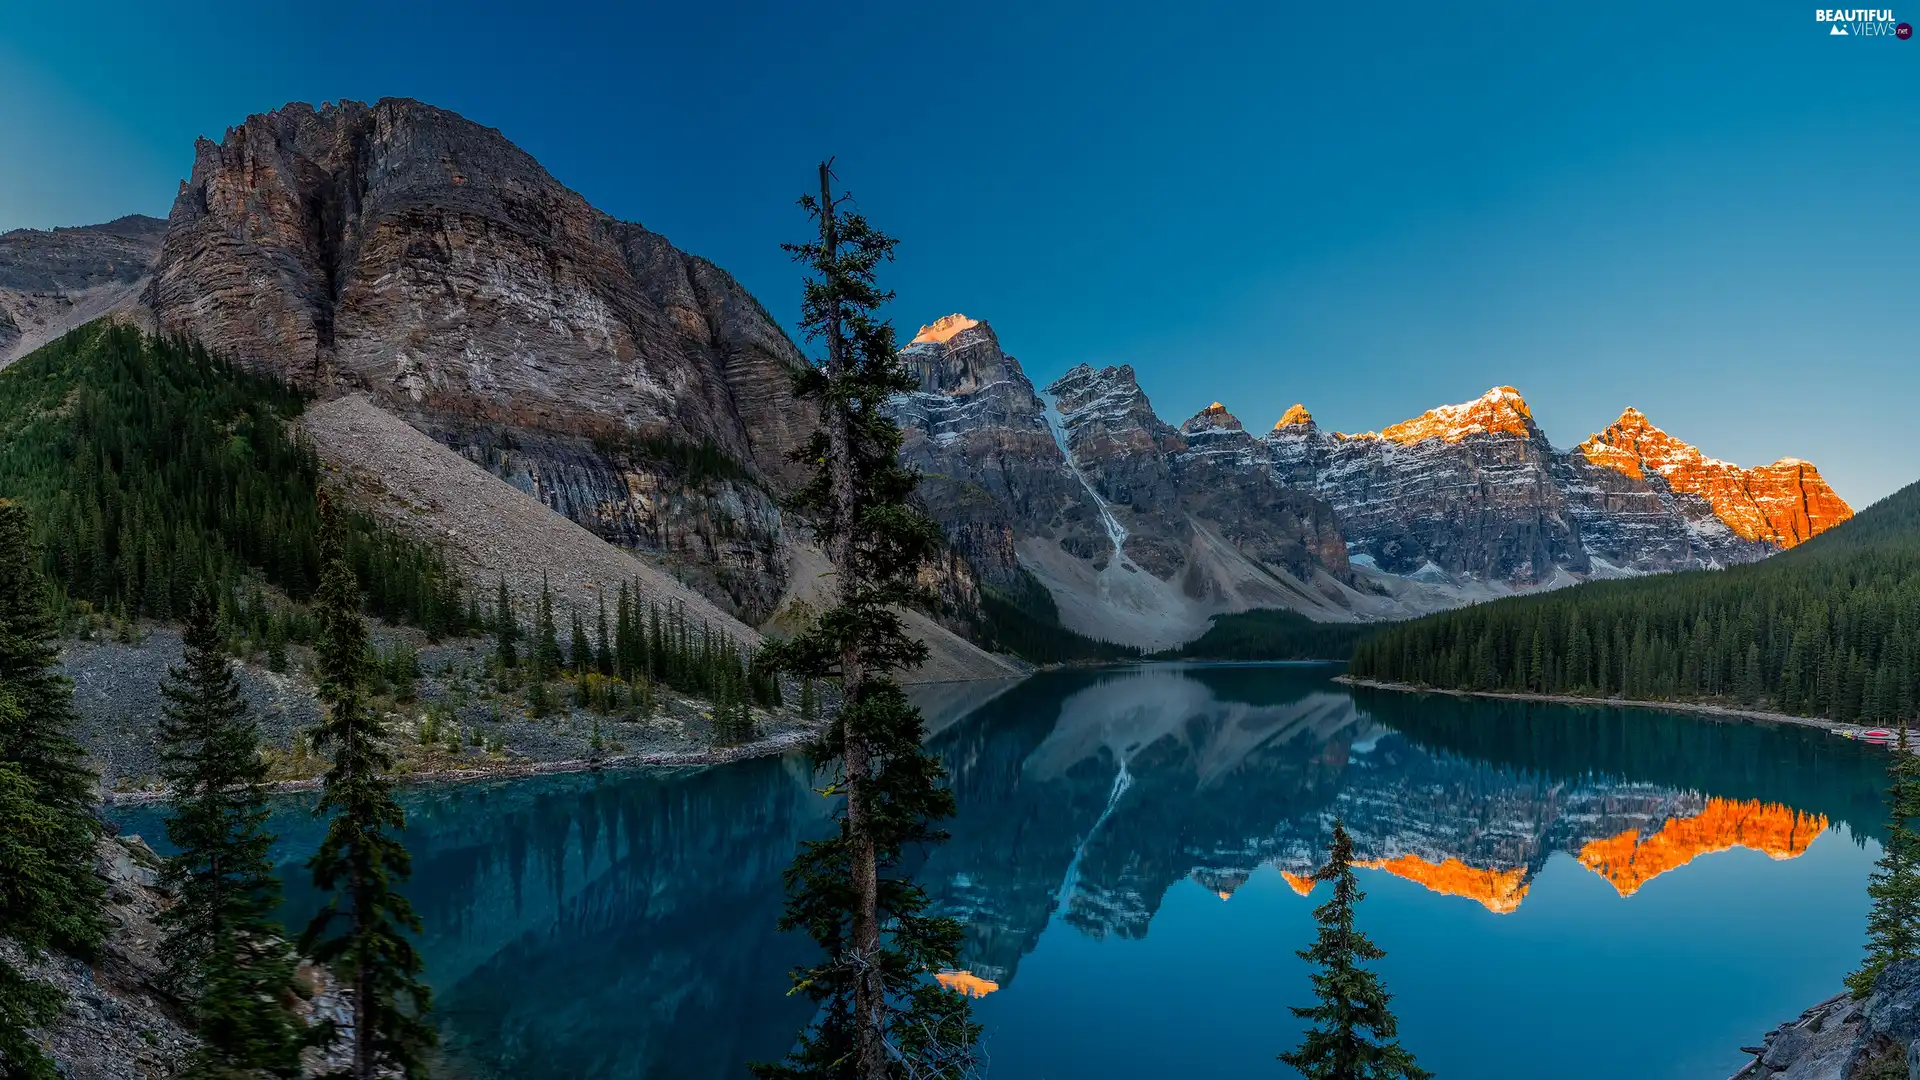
[1562,892]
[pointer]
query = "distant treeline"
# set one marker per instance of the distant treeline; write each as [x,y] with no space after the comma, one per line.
[1830,628]
[150,466]
[1271,634]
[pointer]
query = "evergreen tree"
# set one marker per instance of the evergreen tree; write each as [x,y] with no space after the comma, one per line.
[882,1014]
[362,932]
[579,650]
[49,894]
[546,642]
[506,631]
[1353,1033]
[31,884]
[1893,923]
[603,652]
[221,950]
[149,465]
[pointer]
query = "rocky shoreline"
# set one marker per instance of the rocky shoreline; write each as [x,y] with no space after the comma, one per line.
[1702,708]
[1846,1038]
[780,743]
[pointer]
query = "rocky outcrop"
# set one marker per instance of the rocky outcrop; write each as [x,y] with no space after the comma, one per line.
[52,281]
[116,1021]
[1844,1038]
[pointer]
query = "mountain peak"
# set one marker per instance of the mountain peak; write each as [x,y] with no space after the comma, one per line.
[1297,415]
[943,328]
[1500,410]
[1214,417]
[1785,503]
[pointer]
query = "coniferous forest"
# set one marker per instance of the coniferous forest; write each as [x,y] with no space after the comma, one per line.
[1830,628]
[150,467]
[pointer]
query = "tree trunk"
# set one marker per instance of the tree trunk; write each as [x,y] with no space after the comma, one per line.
[869,995]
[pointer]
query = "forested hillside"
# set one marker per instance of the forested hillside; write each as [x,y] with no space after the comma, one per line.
[1831,628]
[149,465]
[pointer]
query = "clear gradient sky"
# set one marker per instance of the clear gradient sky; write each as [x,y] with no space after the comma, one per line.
[1706,210]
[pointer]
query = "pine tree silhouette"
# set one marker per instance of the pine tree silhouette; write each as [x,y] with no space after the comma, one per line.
[222,950]
[881,1013]
[363,932]
[1353,1032]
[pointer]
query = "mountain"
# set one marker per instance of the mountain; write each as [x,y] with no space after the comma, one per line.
[410,254]
[1142,532]
[1782,504]
[1137,532]
[412,269]
[52,281]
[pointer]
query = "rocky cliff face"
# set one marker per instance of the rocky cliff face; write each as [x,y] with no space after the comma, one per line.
[990,470]
[1139,531]
[1462,491]
[1474,493]
[408,252]
[1779,505]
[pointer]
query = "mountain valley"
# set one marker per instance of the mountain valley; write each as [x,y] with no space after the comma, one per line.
[420,261]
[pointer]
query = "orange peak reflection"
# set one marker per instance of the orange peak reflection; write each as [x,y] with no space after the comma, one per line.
[1499,891]
[1628,862]
[967,983]
[1300,883]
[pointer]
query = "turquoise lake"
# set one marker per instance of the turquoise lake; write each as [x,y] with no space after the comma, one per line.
[1562,892]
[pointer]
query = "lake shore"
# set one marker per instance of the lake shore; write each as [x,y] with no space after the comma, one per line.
[1702,708]
[771,746]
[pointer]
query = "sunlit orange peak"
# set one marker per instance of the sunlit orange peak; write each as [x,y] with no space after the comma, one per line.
[1499,891]
[967,983]
[1784,503]
[939,330]
[1500,410]
[1627,861]
[1298,414]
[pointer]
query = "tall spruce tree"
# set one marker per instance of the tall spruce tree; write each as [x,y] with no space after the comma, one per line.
[546,642]
[222,950]
[579,651]
[49,894]
[603,648]
[363,931]
[1352,1037]
[1893,923]
[882,1014]
[505,630]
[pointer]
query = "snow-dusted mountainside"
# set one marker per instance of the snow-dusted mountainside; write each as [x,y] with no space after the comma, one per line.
[1141,531]
[1139,535]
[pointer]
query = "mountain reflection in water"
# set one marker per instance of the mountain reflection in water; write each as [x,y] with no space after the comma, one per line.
[622,925]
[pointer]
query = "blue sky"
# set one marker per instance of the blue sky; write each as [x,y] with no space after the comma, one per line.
[1706,210]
